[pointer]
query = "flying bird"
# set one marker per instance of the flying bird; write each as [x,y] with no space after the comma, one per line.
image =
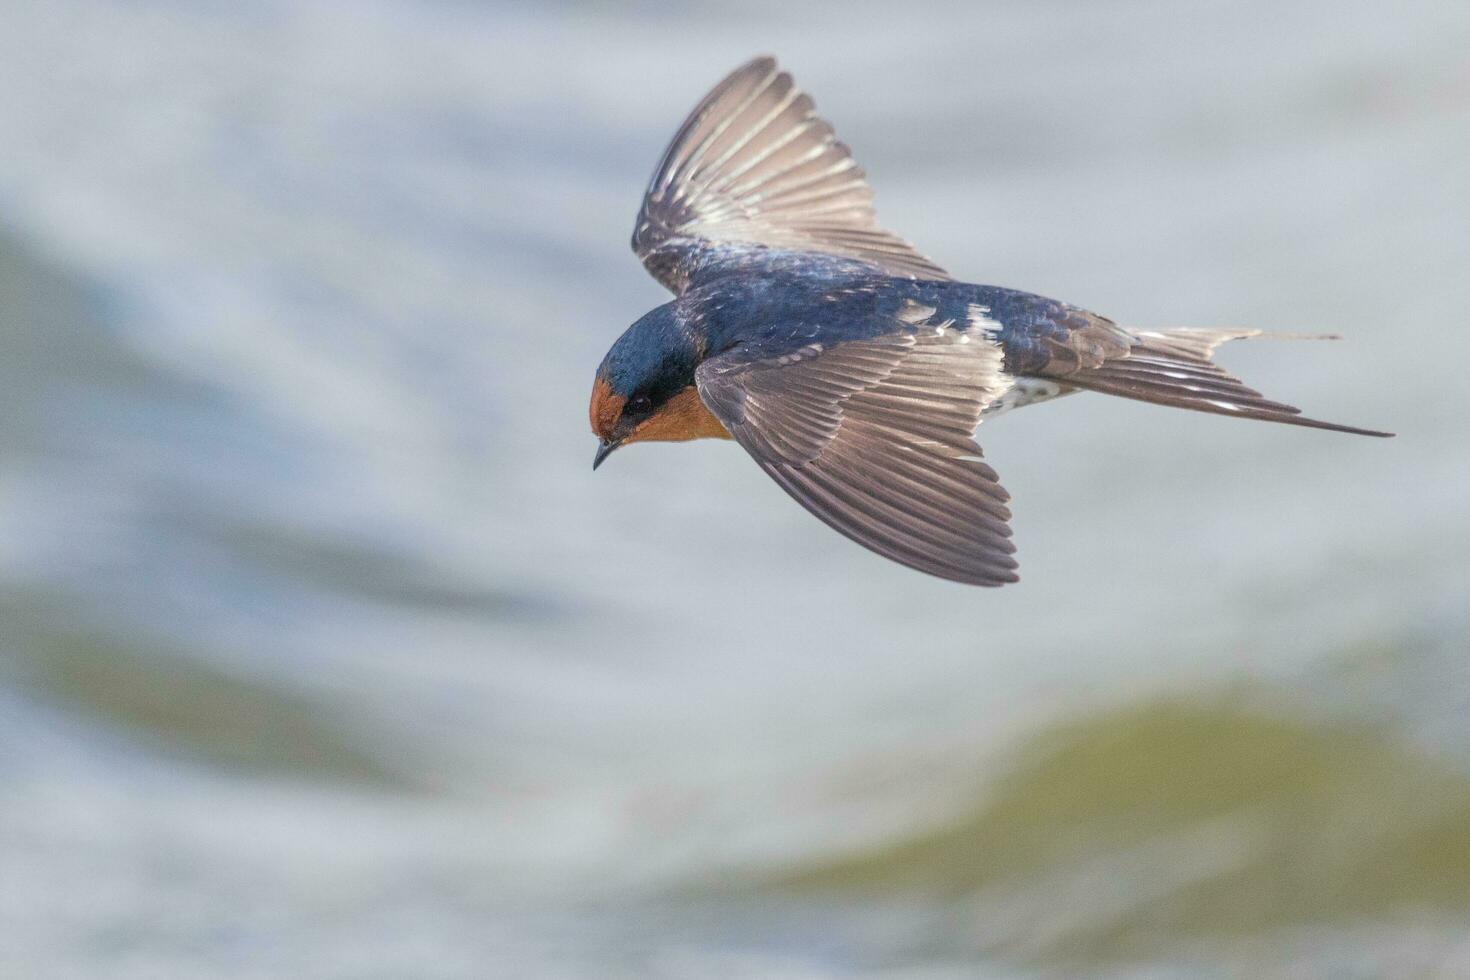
[850,366]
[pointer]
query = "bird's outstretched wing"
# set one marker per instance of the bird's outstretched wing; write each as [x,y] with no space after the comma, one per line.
[874,437]
[754,164]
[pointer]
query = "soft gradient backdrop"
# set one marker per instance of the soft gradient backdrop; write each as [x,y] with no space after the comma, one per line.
[324,654]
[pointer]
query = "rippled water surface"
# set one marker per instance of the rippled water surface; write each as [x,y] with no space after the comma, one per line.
[323,653]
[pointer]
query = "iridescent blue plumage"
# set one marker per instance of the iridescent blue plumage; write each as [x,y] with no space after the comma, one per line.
[782,300]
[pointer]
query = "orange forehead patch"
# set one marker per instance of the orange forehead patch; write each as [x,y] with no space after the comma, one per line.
[605,410]
[680,419]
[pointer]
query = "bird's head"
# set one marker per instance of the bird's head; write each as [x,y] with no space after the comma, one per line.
[644,389]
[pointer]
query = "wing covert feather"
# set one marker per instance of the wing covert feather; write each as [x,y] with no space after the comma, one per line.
[874,437]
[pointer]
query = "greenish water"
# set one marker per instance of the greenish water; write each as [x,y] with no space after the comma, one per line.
[175,703]
[1139,832]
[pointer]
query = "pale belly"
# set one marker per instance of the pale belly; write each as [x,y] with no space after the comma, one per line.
[1025,391]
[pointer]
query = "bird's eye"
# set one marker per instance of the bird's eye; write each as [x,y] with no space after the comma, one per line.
[638,405]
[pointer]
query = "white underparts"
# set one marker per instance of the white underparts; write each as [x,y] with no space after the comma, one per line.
[1023,392]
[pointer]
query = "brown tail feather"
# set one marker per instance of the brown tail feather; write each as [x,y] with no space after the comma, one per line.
[1173,367]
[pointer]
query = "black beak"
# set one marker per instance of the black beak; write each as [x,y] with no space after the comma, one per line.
[604,449]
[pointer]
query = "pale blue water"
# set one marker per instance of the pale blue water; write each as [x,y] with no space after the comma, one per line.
[323,653]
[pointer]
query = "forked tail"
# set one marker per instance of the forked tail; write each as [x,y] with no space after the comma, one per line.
[1173,367]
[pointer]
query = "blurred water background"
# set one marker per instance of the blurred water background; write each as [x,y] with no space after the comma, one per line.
[323,653]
